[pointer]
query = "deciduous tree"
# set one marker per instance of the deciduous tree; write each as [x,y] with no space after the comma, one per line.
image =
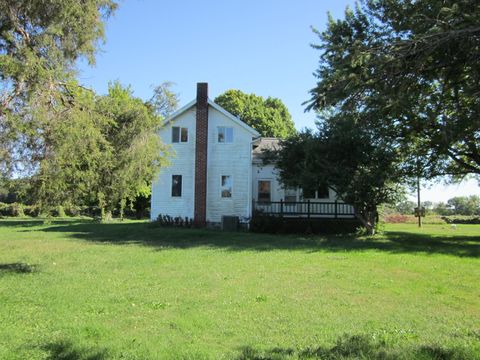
[363,170]
[270,117]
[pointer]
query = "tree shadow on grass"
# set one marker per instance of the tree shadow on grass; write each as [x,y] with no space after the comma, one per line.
[66,350]
[358,347]
[17,268]
[143,233]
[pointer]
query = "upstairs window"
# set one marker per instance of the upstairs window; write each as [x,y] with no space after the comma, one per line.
[226,186]
[179,134]
[225,134]
[176,185]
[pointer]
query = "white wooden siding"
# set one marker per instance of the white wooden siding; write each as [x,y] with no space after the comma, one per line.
[182,163]
[269,172]
[232,159]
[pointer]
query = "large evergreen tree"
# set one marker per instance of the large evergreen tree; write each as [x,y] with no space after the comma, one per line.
[102,149]
[40,42]
[410,70]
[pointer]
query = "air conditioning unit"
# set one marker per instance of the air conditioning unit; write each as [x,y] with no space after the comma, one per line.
[229,223]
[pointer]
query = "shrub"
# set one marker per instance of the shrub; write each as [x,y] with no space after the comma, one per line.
[59,211]
[396,218]
[14,209]
[169,221]
[411,219]
[461,219]
[264,223]
[31,210]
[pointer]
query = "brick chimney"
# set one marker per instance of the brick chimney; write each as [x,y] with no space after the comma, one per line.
[201,148]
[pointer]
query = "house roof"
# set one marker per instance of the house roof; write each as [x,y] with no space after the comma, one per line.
[261,145]
[217,107]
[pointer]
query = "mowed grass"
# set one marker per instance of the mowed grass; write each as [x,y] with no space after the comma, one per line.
[82,290]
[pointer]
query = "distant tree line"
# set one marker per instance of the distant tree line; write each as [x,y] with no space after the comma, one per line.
[459,205]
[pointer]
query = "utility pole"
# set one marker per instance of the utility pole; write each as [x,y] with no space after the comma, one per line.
[419,205]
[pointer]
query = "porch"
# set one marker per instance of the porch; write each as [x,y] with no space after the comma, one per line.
[306,209]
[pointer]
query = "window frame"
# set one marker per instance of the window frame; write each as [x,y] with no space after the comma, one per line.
[221,187]
[180,130]
[269,191]
[174,193]
[224,128]
[291,190]
[317,192]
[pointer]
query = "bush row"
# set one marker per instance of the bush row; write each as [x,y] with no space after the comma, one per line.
[21,210]
[461,219]
[169,221]
[432,219]
[411,219]
[263,223]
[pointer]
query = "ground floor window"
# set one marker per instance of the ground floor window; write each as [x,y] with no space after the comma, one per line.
[264,190]
[226,186]
[321,192]
[176,185]
[290,195]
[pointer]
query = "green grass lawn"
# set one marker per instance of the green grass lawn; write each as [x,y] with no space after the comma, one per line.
[81,290]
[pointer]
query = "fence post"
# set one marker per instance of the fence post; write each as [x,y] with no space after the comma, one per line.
[308,208]
[336,209]
[281,207]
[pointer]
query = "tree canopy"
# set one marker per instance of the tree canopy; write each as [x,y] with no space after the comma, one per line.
[410,70]
[346,156]
[103,150]
[72,146]
[39,44]
[270,117]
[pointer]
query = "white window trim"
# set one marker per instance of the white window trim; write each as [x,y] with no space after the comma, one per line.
[180,135]
[225,142]
[171,186]
[271,189]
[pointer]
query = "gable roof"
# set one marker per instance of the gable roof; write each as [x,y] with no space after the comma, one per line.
[217,107]
[263,144]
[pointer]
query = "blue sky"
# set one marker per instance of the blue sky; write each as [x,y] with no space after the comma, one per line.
[260,47]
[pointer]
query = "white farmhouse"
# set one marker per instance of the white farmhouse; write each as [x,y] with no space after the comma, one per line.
[216,170]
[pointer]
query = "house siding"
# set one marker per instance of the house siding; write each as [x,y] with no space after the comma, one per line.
[182,163]
[232,159]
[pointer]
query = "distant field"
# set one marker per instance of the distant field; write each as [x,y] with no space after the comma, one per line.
[81,290]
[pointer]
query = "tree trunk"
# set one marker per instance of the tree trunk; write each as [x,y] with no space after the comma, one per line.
[368,220]
[108,216]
